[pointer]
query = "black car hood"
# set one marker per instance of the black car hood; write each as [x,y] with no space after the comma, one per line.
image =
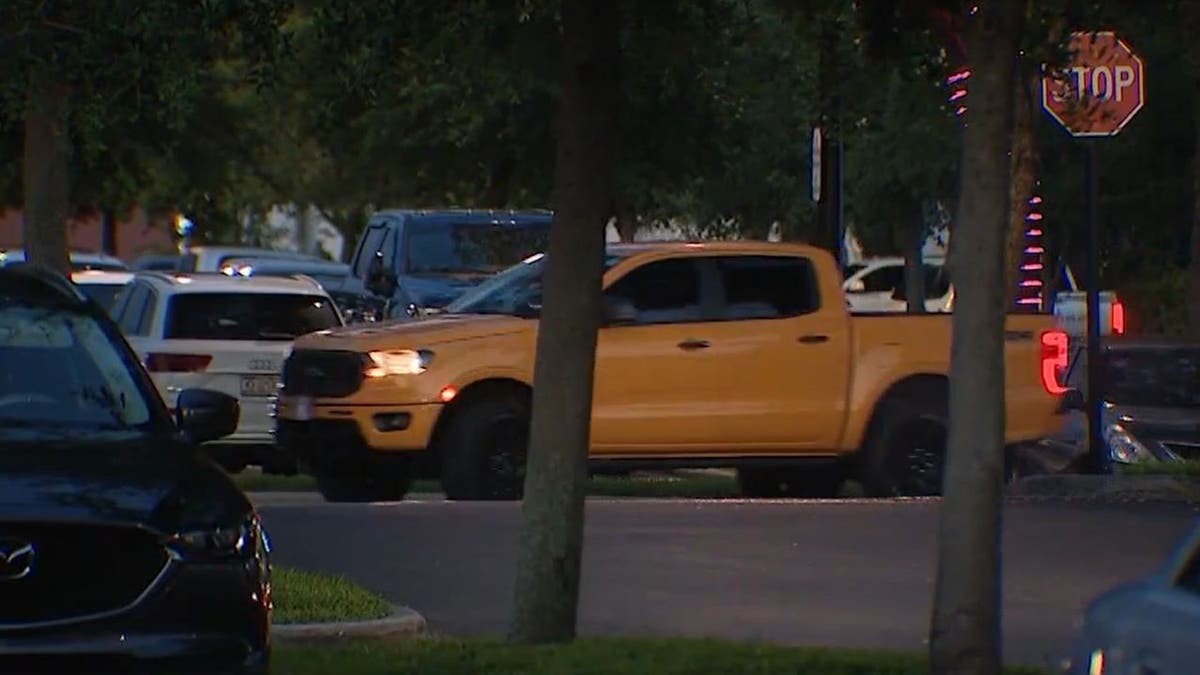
[156,482]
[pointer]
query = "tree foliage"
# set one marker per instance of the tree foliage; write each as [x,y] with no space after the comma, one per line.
[150,90]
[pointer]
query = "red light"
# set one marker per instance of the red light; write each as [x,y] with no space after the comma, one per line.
[1031,283]
[958,93]
[1029,267]
[448,393]
[1117,317]
[177,363]
[1035,216]
[1035,200]
[1033,233]
[1034,249]
[1053,360]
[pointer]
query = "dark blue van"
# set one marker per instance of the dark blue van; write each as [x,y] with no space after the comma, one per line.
[428,258]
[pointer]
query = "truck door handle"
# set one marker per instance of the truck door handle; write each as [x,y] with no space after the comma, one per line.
[691,345]
[812,339]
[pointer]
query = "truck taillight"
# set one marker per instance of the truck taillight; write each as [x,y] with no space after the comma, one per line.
[1117,317]
[1053,360]
[177,363]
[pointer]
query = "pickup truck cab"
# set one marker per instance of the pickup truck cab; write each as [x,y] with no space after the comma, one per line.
[727,354]
[409,259]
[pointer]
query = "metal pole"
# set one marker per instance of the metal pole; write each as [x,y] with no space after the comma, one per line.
[1101,462]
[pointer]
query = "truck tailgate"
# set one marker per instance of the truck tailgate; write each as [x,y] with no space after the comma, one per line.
[889,349]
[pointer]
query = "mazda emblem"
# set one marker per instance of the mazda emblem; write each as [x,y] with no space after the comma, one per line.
[16,559]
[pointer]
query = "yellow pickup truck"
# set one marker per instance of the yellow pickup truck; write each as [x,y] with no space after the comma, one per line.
[729,354]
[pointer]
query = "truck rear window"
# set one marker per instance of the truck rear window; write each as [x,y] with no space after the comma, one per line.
[247,316]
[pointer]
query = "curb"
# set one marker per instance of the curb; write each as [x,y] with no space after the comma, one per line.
[1170,489]
[402,622]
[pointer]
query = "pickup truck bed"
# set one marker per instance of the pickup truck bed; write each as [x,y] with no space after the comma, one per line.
[737,354]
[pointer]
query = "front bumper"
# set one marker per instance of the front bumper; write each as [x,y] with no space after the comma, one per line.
[311,430]
[209,615]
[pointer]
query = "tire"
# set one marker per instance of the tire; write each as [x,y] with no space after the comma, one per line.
[386,480]
[484,448]
[905,451]
[814,482]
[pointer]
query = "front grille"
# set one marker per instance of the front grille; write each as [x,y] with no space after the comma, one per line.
[75,570]
[331,374]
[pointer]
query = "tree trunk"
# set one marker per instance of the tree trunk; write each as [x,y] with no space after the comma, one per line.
[551,541]
[914,263]
[1193,294]
[965,629]
[46,173]
[1024,180]
[627,224]
[108,231]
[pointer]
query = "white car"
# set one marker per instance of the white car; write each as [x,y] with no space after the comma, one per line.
[214,258]
[103,286]
[230,334]
[871,285]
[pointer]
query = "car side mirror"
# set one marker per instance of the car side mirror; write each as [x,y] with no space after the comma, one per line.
[206,415]
[1072,399]
[380,281]
[856,286]
[619,311]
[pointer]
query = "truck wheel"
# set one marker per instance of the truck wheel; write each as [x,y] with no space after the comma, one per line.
[905,453]
[484,448]
[815,482]
[387,480]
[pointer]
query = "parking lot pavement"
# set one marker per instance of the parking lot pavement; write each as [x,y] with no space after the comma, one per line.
[840,573]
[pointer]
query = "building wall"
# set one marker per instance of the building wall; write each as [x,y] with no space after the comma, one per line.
[135,234]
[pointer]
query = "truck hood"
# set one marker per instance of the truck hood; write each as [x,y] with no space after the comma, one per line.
[420,332]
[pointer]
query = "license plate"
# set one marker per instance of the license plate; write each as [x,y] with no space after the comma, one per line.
[259,385]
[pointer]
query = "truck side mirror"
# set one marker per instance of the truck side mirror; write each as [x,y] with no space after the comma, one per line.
[380,280]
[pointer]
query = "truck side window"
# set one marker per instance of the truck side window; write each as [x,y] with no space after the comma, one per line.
[372,240]
[767,287]
[666,291]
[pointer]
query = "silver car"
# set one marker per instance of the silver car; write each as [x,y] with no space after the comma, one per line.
[1148,627]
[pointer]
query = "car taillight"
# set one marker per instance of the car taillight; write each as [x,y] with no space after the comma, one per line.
[1053,360]
[177,363]
[1117,317]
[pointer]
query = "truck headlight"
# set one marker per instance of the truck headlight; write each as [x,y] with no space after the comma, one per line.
[1123,447]
[398,362]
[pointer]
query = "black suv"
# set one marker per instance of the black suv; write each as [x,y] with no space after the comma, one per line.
[120,543]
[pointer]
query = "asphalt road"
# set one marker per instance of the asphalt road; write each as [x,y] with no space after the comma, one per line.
[845,573]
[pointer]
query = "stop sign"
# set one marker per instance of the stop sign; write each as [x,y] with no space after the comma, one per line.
[1099,90]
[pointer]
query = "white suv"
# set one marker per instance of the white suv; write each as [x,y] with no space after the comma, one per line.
[225,333]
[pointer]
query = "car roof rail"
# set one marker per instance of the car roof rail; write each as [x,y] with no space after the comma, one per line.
[48,277]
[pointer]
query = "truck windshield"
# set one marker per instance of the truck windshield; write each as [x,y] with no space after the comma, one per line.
[516,287]
[472,248]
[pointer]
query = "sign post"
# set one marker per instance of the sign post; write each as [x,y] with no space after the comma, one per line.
[1094,96]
